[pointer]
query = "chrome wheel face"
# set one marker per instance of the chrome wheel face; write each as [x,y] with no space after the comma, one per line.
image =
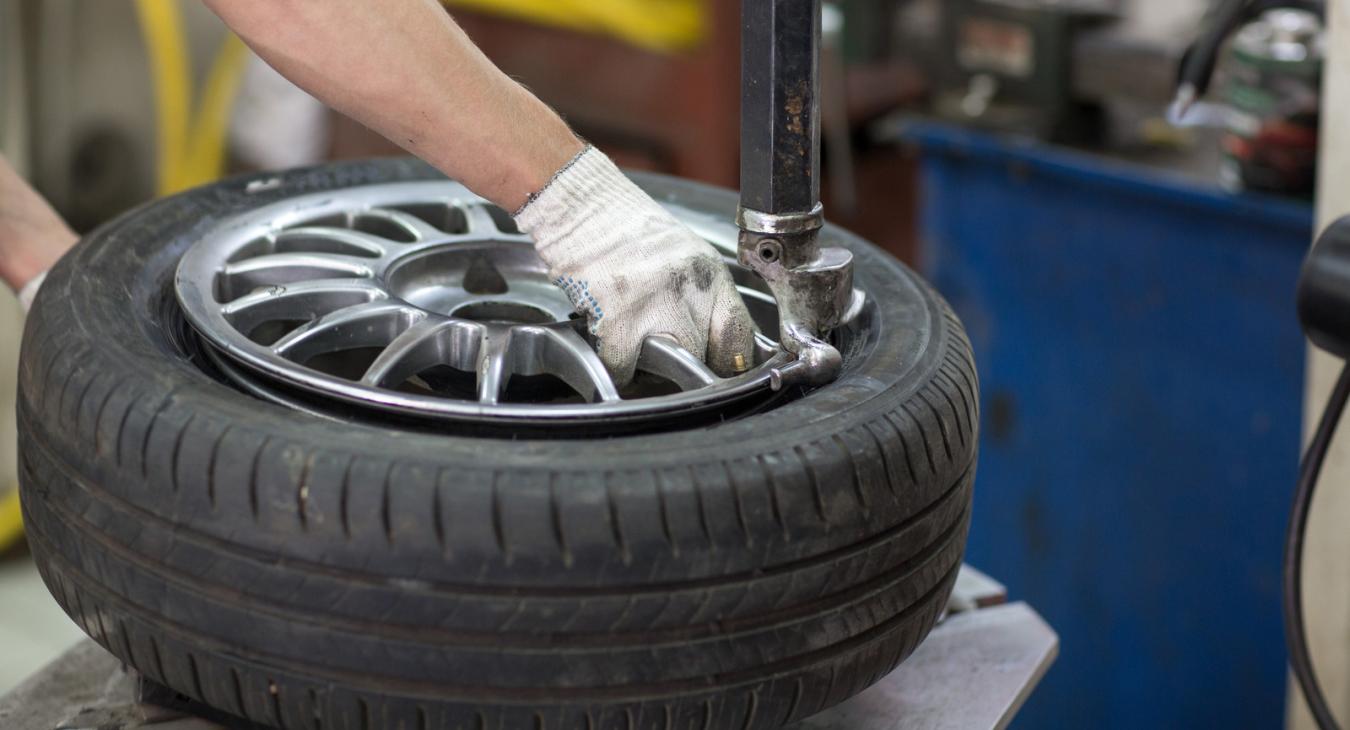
[423,300]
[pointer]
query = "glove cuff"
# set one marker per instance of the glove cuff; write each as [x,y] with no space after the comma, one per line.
[30,290]
[584,190]
[561,171]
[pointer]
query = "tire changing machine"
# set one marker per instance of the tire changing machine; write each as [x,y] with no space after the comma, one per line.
[977,666]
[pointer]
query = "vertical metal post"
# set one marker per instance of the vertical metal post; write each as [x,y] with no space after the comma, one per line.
[780,214]
[780,106]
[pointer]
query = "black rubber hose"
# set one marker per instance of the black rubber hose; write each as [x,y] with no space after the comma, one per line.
[1295,632]
[1197,66]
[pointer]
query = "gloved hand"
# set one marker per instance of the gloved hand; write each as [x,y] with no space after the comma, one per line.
[634,270]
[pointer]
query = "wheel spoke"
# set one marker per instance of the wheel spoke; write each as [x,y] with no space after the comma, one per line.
[365,325]
[324,240]
[566,354]
[493,366]
[304,300]
[663,357]
[240,278]
[480,221]
[419,228]
[424,345]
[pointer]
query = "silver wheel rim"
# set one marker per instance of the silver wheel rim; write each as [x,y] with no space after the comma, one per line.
[422,299]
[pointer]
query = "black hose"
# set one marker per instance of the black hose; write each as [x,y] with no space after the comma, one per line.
[1294,630]
[1197,66]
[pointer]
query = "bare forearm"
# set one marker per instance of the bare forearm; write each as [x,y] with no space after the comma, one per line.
[32,235]
[406,70]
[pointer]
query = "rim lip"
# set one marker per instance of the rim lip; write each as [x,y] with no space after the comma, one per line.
[196,270]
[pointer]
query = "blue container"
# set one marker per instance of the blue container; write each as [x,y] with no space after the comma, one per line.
[1142,381]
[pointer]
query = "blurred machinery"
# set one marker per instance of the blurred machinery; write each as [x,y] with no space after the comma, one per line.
[1270,55]
[1274,100]
[1097,73]
[1007,64]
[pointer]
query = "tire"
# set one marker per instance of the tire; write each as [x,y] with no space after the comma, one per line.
[306,573]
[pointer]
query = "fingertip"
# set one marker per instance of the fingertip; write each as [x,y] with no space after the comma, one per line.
[731,337]
[620,361]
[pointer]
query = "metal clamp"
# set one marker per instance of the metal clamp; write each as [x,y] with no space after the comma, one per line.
[813,287]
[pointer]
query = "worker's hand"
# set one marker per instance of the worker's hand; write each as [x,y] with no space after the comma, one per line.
[634,271]
[32,235]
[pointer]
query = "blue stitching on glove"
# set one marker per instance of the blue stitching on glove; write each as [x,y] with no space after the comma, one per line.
[579,293]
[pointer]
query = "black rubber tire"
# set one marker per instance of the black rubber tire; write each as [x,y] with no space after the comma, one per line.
[305,573]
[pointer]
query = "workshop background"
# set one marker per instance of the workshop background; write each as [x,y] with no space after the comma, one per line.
[1131,306]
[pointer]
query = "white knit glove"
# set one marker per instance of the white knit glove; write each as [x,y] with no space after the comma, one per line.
[634,270]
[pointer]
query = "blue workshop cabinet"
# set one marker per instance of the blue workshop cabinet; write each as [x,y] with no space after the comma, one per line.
[1141,370]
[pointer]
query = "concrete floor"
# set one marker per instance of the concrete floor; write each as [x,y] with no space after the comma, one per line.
[33,629]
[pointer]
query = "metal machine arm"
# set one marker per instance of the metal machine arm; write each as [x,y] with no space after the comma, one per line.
[780,215]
